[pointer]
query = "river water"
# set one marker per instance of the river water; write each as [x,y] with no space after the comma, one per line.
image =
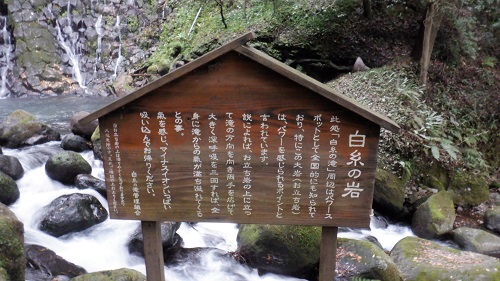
[104,246]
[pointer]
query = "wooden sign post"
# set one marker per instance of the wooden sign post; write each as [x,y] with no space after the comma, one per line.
[237,136]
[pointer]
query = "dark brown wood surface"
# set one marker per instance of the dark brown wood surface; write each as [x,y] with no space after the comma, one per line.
[328,253]
[234,84]
[153,251]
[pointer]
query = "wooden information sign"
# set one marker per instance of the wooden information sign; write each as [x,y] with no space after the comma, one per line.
[236,136]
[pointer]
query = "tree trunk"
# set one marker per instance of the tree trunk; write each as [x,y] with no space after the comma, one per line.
[432,22]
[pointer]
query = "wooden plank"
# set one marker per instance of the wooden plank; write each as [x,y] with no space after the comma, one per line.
[273,184]
[318,87]
[153,251]
[328,253]
[168,77]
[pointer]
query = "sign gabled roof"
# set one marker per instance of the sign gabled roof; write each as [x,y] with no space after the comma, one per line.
[263,59]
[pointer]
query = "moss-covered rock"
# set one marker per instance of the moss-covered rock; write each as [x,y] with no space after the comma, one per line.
[389,194]
[422,260]
[468,190]
[123,274]
[363,259]
[436,177]
[477,240]
[281,249]
[96,143]
[435,216]
[18,127]
[9,192]
[66,165]
[12,256]
[3,275]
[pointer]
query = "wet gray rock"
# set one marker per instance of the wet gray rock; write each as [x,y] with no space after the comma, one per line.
[84,130]
[477,240]
[47,261]
[86,181]
[21,128]
[492,219]
[72,213]
[75,143]
[11,166]
[9,192]
[169,238]
[65,166]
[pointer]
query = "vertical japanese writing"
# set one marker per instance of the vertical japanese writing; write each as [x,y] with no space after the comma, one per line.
[118,160]
[315,166]
[135,194]
[353,189]
[280,158]
[148,158]
[214,160]
[331,167]
[247,164]
[264,135]
[178,123]
[230,162]
[197,163]
[111,172]
[298,139]
[162,133]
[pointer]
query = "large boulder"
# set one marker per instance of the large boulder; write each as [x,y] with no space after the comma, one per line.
[86,181]
[47,261]
[72,213]
[492,219]
[434,217]
[389,194]
[477,240]
[65,166]
[363,259]
[11,166]
[419,259]
[12,257]
[84,130]
[75,143]
[169,237]
[281,249]
[468,190]
[22,128]
[9,192]
[122,274]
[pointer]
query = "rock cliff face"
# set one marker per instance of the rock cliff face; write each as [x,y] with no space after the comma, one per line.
[69,46]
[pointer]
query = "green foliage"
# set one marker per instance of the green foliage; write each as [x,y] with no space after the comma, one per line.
[427,135]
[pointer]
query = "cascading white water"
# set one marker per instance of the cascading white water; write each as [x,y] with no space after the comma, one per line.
[98,51]
[119,59]
[104,246]
[69,42]
[5,50]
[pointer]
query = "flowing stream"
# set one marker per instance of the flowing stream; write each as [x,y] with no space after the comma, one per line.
[104,246]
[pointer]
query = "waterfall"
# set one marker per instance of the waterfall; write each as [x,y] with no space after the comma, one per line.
[5,53]
[119,59]
[98,51]
[69,42]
